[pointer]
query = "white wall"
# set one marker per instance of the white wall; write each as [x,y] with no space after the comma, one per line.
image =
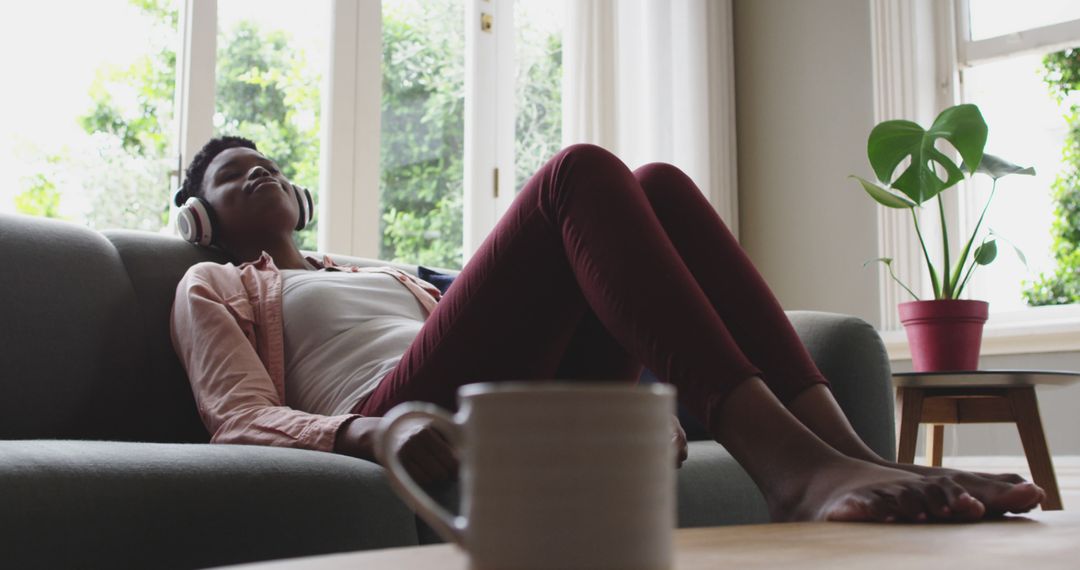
[804,107]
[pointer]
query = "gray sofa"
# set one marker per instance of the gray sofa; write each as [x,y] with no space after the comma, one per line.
[105,463]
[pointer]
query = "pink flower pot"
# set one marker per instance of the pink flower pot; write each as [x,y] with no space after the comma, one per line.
[944,334]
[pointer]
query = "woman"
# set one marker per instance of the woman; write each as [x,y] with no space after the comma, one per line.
[594,271]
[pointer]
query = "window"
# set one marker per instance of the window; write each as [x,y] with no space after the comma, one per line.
[100,134]
[271,61]
[1016,81]
[86,129]
[426,100]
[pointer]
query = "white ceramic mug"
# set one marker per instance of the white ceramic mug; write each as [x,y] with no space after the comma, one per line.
[553,474]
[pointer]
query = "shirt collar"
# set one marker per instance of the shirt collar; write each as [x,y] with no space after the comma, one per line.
[326,263]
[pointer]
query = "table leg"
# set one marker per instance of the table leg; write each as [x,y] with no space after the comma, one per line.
[935,442]
[1025,408]
[910,402]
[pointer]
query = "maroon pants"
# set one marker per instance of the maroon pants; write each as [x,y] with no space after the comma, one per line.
[594,271]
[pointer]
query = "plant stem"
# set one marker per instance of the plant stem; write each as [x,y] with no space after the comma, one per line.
[933,273]
[967,248]
[946,290]
[901,283]
[969,272]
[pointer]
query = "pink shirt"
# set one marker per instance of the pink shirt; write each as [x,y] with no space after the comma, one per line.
[226,328]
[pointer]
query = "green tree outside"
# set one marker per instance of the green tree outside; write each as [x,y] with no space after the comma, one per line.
[41,198]
[267,92]
[423,132]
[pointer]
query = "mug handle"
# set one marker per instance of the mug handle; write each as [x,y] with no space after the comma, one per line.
[451,528]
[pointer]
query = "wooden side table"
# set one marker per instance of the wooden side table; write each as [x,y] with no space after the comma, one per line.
[980,396]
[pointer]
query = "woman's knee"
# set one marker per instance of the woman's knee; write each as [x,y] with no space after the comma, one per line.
[657,178]
[585,167]
[588,157]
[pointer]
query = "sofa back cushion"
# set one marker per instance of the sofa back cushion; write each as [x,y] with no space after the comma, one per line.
[154,264]
[70,351]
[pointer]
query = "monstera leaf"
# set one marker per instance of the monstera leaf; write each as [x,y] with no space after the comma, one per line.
[893,142]
[882,195]
[996,167]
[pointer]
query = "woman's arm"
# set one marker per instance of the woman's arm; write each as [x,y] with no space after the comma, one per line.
[357,438]
[424,452]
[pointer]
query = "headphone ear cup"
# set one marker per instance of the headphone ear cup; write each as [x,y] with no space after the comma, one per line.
[194,221]
[307,207]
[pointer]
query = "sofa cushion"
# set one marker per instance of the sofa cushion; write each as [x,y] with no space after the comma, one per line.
[715,490]
[851,354]
[98,504]
[155,264]
[442,281]
[69,343]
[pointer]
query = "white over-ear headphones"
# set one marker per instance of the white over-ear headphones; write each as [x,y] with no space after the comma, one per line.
[195,220]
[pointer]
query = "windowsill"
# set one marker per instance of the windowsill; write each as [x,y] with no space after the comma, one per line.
[1034,330]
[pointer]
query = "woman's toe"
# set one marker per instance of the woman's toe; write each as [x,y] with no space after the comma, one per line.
[913,502]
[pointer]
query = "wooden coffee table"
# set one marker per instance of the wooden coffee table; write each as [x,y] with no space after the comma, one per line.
[1042,540]
[978,396]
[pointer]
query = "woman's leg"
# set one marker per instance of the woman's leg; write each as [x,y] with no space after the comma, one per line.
[582,236]
[735,289]
[758,323]
[593,354]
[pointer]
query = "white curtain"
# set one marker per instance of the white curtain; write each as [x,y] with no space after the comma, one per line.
[653,80]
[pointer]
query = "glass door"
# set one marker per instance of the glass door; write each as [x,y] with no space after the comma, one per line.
[423,131]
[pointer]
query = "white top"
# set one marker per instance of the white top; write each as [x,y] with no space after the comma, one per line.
[343,332]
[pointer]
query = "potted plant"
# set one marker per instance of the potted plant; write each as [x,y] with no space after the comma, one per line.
[912,168]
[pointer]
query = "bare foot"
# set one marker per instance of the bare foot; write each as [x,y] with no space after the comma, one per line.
[817,409]
[1000,493]
[857,491]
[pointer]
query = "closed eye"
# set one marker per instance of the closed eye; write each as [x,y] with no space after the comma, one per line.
[227,175]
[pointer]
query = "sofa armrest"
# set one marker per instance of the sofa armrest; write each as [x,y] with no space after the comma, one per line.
[851,355]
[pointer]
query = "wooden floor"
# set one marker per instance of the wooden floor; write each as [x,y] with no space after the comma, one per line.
[1067,468]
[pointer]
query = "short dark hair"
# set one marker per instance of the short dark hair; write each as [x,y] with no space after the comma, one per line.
[193,176]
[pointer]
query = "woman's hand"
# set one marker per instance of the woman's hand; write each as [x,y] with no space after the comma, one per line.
[678,439]
[424,452]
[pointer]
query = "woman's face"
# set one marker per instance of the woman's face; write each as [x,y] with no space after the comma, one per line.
[250,196]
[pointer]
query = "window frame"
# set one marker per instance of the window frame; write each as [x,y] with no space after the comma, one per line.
[1040,39]
[194,96]
[902,29]
[489,119]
